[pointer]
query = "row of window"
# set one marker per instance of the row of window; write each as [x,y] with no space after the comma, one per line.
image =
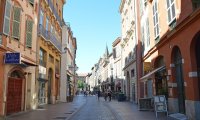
[145,32]
[130,57]
[16,23]
[52,29]
[42,58]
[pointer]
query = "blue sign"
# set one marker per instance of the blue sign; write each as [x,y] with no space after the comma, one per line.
[12,58]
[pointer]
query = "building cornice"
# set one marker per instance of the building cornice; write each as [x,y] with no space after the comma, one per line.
[116,41]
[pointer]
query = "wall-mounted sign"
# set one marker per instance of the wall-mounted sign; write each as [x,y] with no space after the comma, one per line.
[42,70]
[12,58]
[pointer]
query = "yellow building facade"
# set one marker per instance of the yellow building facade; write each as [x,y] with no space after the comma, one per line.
[49,51]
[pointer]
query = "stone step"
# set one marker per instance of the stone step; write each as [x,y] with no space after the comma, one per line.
[178,116]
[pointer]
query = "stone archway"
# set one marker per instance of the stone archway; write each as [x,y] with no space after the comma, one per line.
[177,60]
[195,53]
[50,80]
[15,92]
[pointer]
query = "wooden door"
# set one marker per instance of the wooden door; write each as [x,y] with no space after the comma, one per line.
[14,95]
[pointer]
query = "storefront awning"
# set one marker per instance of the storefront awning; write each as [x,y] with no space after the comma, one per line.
[152,72]
[26,64]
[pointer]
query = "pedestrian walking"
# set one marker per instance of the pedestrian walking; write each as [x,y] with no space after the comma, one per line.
[105,95]
[98,94]
[109,94]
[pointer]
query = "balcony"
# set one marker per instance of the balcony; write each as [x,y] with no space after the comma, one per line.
[55,12]
[55,41]
[48,36]
[43,32]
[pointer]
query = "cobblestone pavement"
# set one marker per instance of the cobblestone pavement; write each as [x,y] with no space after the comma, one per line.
[114,110]
[60,111]
[94,110]
[129,111]
[88,108]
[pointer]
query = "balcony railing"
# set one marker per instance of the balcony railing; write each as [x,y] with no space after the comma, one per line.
[48,36]
[43,32]
[55,12]
[55,41]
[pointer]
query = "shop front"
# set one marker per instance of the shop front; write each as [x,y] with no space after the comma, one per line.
[19,74]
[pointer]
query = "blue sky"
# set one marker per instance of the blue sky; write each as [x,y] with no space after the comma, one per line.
[94,23]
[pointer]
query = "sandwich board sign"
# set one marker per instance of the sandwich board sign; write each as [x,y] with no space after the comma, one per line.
[160,104]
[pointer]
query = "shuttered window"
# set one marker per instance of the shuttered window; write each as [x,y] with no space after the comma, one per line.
[6,28]
[16,22]
[29,29]
[31,2]
[0,38]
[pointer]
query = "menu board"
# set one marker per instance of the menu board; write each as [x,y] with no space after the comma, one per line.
[160,104]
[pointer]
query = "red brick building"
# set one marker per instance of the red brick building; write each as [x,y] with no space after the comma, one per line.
[2,51]
[168,39]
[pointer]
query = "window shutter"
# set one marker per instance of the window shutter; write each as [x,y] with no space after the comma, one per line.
[29,29]
[0,38]
[16,22]
[31,2]
[6,28]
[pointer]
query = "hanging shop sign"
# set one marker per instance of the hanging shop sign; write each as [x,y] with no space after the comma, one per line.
[12,58]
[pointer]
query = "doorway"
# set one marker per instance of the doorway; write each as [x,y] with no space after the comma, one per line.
[177,58]
[14,92]
[197,51]
[50,78]
[128,86]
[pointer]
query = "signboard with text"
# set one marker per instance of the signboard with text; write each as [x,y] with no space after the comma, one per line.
[12,58]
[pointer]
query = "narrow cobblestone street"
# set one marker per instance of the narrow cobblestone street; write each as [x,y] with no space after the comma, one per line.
[88,108]
[94,110]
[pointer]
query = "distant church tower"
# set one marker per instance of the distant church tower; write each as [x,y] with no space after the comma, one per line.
[106,54]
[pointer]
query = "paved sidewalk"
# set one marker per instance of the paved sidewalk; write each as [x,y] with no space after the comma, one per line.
[60,111]
[129,111]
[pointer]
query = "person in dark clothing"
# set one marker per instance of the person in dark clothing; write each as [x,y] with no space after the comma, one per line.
[98,94]
[105,95]
[109,95]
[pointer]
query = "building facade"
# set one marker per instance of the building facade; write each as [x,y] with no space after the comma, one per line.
[117,66]
[71,62]
[2,52]
[170,53]
[18,81]
[128,43]
[49,51]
